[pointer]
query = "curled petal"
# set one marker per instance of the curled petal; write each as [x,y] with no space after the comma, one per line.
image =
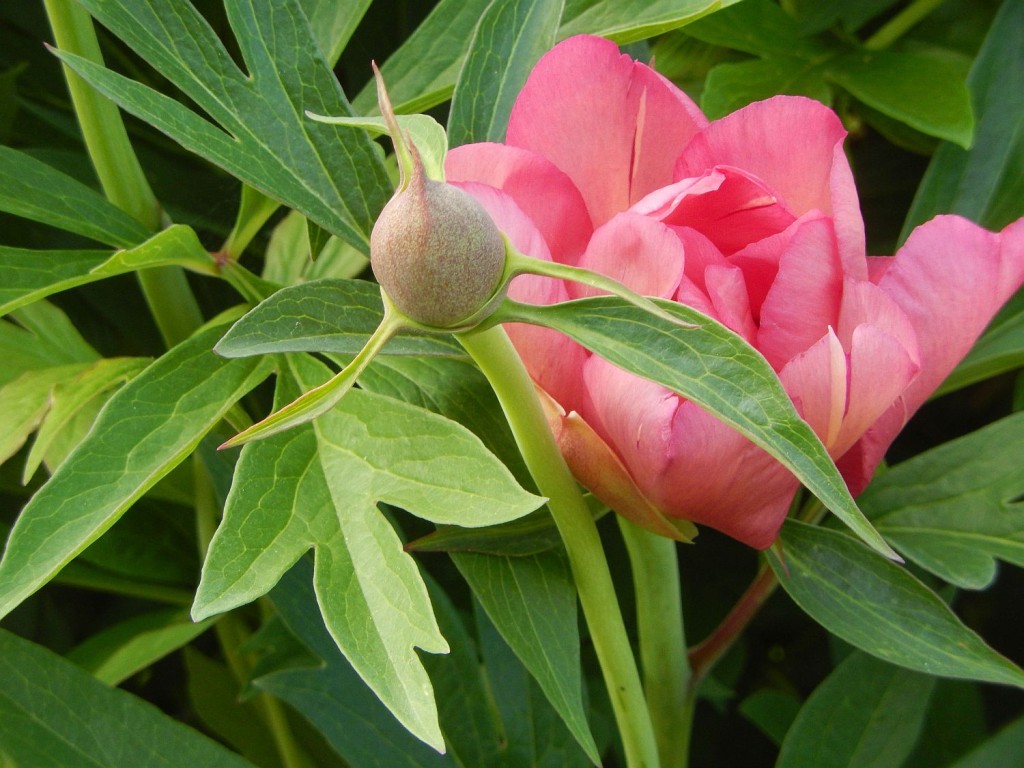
[546,195]
[583,101]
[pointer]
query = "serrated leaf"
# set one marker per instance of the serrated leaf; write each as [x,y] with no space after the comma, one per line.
[330,316]
[510,38]
[27,275]
[955,510]
[145,430]
[927,92]
[731,86]
[880,607]
[332,696]
[117,653]
[626,21]
[716,369]
[33,190]
[55,715]
[321,490]
[334,176]
[532,603]
[985,183]
[866,714]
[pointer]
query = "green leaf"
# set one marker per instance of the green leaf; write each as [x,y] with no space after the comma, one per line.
[330,316]
[33,190]
[146,429]
[27,275]
[955,510]
[117,653]
[867,714]
[332,696]
[427,134]
[319,488]
[984,184]
[757,27]
[731,86]
[24,402]
[333,22]
[42,337]
[510,38]
[532,603]
[710,365]
[881,608]
[55,715]
[422,72]
[1001,751]
[288,258]
[926,91]
[535,734]
[334,176]
[70,397]
[772,711]
[626,21]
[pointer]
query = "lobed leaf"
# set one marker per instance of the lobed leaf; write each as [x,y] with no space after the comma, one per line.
[716,369]
[332,175]
[146,429]
[956,509]
[880,607]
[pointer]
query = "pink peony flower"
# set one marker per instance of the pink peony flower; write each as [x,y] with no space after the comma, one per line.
[752,219]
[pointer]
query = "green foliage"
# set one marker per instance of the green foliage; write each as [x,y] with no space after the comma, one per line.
[386,585]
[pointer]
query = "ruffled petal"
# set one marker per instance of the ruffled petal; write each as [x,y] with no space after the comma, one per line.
[804,299]
[613,125]
[641,253]
[794,145]
[546,195]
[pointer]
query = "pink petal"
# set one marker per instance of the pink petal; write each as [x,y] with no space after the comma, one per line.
[728,292]
[612,124]
[545,194]
[816,380]
[880,370]
[691,465]
[733,213]
[803,301]
[639,252]
[866,303]
[795,146]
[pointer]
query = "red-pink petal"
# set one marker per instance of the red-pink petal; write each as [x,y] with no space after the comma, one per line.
[545,194]
[612,124]
[795,146]
[641,253]
[803,301]
[728,293]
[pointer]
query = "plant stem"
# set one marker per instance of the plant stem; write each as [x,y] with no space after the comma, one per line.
[900,24]
[170,300]
[659,615]
[493,352]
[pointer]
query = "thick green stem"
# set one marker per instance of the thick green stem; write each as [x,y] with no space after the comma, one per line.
[900,24]
[659,616]
[497,358]
[120,175]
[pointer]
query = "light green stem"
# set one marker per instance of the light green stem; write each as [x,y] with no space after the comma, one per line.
[493,352]
[900,24]
[120,175]
[659,616]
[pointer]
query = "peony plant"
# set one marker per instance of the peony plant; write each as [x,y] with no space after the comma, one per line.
[328,475]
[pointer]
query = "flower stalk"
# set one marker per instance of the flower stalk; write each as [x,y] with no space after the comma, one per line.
[493,352]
